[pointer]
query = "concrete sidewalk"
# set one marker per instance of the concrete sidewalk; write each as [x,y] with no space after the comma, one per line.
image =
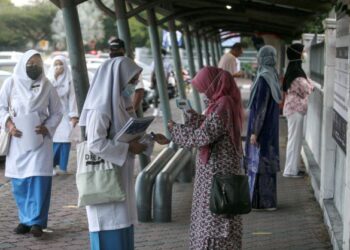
[296,225]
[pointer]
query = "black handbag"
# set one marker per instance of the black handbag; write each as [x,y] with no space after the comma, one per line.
[230,195]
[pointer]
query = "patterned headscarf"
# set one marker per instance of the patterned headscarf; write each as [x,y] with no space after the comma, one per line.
[225,100]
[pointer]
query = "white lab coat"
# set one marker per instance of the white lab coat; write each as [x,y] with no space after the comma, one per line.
[69,108]
[117,215]
[37,162]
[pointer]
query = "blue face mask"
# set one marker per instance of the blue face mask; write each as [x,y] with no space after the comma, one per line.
[129,90]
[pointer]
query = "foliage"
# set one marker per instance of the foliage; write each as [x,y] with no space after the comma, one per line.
[96,26]
[91,23]
[25,25]
[315,26]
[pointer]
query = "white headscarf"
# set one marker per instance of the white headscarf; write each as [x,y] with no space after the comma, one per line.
[32,98]
[62,83]
[105,90]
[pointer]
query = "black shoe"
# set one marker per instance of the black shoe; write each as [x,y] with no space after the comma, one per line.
[21,229]
[36,231]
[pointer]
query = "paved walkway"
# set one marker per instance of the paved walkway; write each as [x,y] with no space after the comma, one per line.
[296,225]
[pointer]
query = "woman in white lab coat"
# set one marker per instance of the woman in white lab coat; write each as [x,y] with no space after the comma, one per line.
[60,77]
[107,108]
[28,96]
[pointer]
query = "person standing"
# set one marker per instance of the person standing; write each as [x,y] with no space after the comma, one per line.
[117,49]
[217,134]
[107,108]
[60,77]
[262,146]
[29,93]
[297,87]
[229,62]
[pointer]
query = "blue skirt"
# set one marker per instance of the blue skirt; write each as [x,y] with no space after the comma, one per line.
[61,155]
[32,196]
[120,239]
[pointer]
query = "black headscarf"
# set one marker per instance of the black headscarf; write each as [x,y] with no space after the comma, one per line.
[294,69]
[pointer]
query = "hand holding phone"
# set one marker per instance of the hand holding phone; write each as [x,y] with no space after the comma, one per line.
[183,104]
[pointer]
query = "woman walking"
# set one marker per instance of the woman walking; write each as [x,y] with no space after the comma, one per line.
[298,87]
[26,95]
[217,134]
[60,77]
[262,146]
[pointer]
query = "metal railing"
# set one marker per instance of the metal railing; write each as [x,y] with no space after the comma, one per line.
[317,62]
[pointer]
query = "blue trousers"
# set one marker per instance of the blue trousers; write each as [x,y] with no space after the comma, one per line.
[120,239]
[61,155]
[32,196]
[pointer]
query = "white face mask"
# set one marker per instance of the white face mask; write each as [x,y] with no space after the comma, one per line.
[304,56]
[129,90]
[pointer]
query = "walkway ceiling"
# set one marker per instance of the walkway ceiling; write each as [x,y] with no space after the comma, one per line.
[285,18]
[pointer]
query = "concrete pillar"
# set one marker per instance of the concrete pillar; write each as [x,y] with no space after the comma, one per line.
[177,59]
[76,52]
[328,146]
[123,26]
[198,46]
[212,53]
[218,48]
[189,50]
[206,51]
[159,69]
[307,40]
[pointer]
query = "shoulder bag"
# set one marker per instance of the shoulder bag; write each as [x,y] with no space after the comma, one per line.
[98,181]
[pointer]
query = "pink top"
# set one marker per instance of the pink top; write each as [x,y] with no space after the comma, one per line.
[296,98]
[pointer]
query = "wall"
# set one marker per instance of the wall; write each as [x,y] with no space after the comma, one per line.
[313,123]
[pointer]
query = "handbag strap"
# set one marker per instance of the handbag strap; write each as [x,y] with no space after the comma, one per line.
[213,149]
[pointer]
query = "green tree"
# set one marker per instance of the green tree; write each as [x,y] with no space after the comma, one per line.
[25,25]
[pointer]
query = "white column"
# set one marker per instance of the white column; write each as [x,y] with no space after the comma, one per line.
[346,203]
[306,40]
[328,146]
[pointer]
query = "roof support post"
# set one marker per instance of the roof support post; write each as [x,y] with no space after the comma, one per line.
[212,52]
[76,52]
[123,31]
[189,50]
[177,59]
[206,50]
[123,25]
[198,46]
[159,69]
[218,48]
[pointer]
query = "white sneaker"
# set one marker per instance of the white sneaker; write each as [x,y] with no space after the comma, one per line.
[155,112]
[54,173]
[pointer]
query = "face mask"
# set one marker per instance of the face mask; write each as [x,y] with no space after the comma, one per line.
[304,56]
[128,90]
[34,71]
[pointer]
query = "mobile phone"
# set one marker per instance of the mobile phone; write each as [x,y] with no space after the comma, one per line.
[183,104]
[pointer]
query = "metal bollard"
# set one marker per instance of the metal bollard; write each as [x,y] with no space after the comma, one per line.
[164,185]
[144,184]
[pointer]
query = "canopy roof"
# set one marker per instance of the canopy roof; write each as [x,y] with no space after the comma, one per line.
[285,18]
